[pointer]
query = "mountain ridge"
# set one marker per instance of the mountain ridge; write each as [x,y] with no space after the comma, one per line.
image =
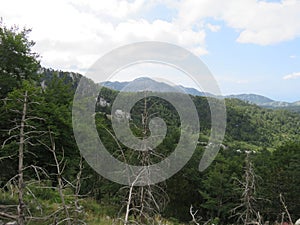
[146,83]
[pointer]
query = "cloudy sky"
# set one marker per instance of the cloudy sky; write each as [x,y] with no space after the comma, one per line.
[250,46]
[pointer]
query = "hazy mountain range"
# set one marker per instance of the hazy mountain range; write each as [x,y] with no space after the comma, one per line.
[145,83]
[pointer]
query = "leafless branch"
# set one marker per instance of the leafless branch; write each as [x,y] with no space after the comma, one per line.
[7,157]
[36,170]
[143,202]
[59,171]
[247,213]
[193,214]
[78,208]
[8,139]
[6,215]
[285,208]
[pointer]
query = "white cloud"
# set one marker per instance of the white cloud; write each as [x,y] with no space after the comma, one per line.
[258,22]
[112,8]
[292,76]
[73,34]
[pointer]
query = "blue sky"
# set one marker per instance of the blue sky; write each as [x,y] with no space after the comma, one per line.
[252,68]
[249,46]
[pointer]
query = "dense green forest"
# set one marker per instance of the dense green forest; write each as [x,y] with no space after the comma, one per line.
[44,179]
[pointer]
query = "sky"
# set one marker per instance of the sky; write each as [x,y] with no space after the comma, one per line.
[250,46]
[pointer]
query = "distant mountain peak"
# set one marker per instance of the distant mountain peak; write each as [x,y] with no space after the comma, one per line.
[252,98]
[148,84]
[143,79]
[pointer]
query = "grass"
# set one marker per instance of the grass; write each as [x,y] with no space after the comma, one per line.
[42,202]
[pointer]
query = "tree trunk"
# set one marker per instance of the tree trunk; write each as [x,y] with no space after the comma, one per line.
[128,205]
[21,206]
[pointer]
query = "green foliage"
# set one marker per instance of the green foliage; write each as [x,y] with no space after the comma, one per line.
[216,191]
[258,126]
[280,172]
[12,109]
[17,61]
[218,184]
[272,134]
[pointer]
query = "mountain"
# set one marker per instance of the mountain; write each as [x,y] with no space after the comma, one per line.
[296,103]
[139,84]
[267,102]
[195,92]
[145,83]
[252,98]
[115,85]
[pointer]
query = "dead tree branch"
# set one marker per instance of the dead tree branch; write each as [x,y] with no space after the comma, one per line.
[285,208]
[193,214]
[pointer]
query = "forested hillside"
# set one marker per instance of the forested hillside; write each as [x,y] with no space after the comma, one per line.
[44,179]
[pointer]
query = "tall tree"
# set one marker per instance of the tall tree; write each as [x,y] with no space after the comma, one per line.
[247,211]
[17,61]
[22,132]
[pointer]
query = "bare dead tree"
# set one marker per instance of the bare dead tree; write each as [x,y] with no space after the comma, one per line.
[130,196]
[141,202]
[60,166]
[21,135]
[147,200]
[21,184]
[78,207]
[248,214]
[22,103]
[19,132]
[23,132]
[26,134]
[130,192]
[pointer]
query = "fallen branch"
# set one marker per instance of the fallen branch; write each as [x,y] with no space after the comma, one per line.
[9,216]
